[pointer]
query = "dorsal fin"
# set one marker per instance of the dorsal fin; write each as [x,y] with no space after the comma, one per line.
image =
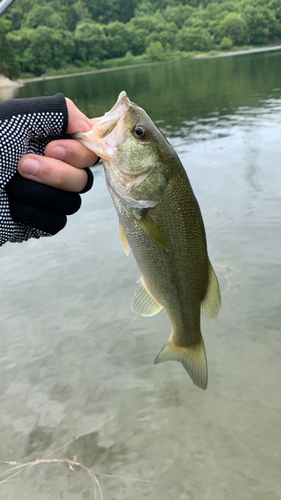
[211,303]
[143,303]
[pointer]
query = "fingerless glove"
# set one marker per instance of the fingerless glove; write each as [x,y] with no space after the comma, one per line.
[28,208]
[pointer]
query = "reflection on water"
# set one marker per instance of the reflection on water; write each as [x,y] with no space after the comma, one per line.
[77,374]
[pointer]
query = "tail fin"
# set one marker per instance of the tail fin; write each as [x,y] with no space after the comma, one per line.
[193,359]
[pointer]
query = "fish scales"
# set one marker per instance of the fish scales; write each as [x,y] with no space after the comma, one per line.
[160,220]
[165,273]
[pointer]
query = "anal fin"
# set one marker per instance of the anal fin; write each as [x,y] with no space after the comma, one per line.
[211,303]
[143,303]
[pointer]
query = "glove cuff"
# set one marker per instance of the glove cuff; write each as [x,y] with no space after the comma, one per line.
[48,104]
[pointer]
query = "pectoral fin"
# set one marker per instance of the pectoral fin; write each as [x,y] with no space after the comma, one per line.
[211,303]
[143,303]
[151,228]
[124,241]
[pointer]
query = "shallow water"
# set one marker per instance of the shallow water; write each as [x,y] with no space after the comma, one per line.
[76,362]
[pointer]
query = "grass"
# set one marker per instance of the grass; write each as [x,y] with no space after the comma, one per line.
[9,473]
[127,61]
[17,468]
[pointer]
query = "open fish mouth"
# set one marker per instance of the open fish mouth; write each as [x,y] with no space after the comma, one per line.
[112,117]
[103,126]
[122,96]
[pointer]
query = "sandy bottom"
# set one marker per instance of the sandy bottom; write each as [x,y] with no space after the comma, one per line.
[78,381]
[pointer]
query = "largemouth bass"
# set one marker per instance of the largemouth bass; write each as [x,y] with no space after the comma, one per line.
[160,220]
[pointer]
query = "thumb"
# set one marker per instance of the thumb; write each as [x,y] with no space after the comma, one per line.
[77,121]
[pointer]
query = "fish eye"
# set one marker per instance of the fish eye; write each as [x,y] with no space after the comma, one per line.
[140,131]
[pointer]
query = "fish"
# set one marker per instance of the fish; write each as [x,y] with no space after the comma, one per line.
[161,222]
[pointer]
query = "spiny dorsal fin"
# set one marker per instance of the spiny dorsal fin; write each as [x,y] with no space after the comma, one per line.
[124,241]
[193,359]
[151,228]
[143,303]
[211,303]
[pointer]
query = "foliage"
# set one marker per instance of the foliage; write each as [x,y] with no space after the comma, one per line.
[194,39]
[8,64]
[41,36]
[155,51]
[233,27]
[44,15]
[90,41]
[226,43]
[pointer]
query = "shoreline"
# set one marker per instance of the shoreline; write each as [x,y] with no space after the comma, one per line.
[92,72]
[116,68]
[5,82]
[8,87]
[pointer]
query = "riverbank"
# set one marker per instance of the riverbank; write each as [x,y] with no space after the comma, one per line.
[140,61]
[8,87]
[6,82]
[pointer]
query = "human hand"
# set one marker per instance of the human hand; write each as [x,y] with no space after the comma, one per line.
[46,187]
[64,162]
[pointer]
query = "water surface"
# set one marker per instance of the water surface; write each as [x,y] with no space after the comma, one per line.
[76,362]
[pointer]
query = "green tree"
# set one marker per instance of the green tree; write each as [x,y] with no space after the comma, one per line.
[44,15]
[52,33]
[275,6]
[226,43]
[81,10]
[38,56]
[155,51]
[189,39]
[136,38]
[63,48]
[154,28]
[117,39]
[8,64]
[20,41]
[163,32]
[234,27]
[139,29]
[178,14]
[91,41]
[107,11]
[18,11]
[262,25]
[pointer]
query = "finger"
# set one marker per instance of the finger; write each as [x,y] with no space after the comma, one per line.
[71,152]
[77,121]
[52,172]
[36,217]
[21,190]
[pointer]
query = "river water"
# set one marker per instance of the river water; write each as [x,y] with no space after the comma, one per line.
[77,376]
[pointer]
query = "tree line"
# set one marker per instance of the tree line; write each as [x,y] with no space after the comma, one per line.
[39,35]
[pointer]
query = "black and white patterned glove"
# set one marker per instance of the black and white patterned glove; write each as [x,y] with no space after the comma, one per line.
[28,208]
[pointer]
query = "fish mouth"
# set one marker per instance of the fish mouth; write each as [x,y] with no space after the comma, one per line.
[122,97]
[104,125]
[105,134]
[107,130]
